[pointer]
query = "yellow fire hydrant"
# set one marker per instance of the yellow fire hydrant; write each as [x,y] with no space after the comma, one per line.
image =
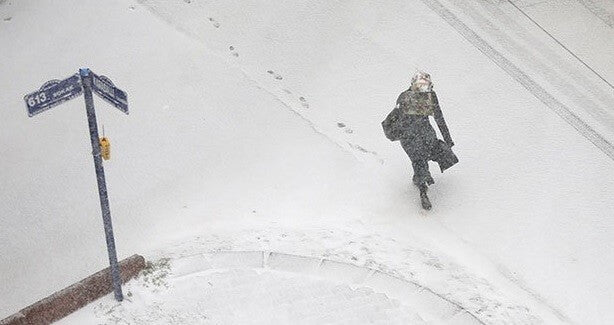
[105,148]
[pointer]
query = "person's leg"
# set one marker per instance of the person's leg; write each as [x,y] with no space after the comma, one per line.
[422,175]
[419,161]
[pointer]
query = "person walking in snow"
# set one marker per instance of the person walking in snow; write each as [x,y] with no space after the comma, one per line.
[409,122]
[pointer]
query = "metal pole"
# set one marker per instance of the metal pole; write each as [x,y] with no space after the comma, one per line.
[86,79]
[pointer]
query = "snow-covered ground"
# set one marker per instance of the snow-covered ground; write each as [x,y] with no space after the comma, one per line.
[255,125]
[266,288]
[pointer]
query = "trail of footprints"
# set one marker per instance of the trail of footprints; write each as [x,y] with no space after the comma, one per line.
[301,99]
[233,51]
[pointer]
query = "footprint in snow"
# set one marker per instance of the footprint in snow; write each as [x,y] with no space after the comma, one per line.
[347,130]
[275,75]
[303,102]
[214,22]
[232,51]
[361,149]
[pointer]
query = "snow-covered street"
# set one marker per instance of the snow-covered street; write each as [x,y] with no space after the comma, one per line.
[255,127]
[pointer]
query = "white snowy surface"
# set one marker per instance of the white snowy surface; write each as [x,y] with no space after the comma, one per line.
[237,288]
[241,296]
[546,64]
[256,125]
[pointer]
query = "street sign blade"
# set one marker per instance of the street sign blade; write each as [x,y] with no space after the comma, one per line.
[105,89]
[53,93]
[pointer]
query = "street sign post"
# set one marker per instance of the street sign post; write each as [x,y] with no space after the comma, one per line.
[86,79]
[55,92]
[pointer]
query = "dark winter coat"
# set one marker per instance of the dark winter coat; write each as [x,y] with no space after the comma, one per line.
[415,132]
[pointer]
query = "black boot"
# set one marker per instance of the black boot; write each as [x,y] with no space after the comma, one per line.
[424,199]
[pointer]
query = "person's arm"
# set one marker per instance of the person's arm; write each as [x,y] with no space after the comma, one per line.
[441,122]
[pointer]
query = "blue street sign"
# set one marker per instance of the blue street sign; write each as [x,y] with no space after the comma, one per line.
[53,93]
[105,88]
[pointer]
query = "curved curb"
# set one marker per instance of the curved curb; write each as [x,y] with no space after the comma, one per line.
[406,291]
[74,297]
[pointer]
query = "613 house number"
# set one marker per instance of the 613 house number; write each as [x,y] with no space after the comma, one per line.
[37,99]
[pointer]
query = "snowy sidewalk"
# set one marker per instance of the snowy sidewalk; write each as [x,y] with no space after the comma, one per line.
[269,288]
